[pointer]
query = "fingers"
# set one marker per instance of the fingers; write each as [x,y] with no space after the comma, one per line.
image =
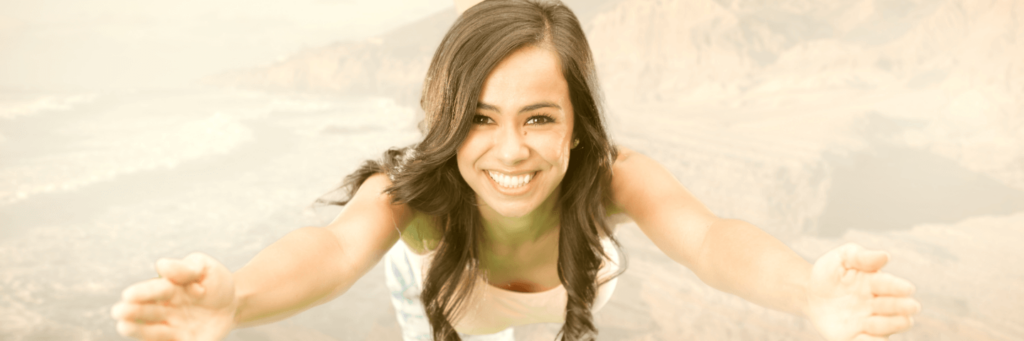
[139,313]
[884,284]
[188,270]
[891,306]
[886,325]
[856,257]
[157,289]
[148,332]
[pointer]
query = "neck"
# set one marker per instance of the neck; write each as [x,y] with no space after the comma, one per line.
[517,231]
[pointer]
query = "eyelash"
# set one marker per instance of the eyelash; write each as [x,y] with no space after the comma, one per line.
[481,119]
[547,119]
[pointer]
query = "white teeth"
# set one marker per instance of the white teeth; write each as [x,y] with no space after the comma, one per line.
[509,181]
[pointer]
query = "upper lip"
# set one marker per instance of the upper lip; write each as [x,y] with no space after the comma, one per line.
[516,173]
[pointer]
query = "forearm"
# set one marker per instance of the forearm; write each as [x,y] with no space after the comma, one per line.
[739,258]
[299,271]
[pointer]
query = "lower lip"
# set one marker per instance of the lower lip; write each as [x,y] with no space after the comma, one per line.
[513,191]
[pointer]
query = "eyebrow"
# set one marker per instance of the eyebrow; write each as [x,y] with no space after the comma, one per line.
[531,107]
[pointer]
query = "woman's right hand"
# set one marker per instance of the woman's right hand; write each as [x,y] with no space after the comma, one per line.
[192,300]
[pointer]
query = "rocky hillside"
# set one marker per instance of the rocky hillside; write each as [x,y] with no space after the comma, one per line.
[956,67]
[391,65]
[762,89]
[669,51]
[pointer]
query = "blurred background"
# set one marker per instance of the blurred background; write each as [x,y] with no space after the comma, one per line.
[134,130]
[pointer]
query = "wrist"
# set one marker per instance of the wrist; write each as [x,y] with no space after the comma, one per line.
[238,307]
[803,302]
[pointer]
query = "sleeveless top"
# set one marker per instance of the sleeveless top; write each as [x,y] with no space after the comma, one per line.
[492,309]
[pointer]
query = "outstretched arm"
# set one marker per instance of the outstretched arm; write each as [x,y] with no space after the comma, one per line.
[198,299]
[737,257]
[730,255]
[313,265]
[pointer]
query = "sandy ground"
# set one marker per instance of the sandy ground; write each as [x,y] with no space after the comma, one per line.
[65,255]
[913,144]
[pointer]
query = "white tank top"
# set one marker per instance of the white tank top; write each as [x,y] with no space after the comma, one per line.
[492,309]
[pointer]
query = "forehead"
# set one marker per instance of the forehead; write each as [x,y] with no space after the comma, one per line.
[528,75]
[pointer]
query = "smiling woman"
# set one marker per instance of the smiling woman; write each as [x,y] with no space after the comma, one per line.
[517,151]
[513,175]
[499,217]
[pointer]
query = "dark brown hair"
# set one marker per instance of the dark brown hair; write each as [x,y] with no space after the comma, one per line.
[425,176]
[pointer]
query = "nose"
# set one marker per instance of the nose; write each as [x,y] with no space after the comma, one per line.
[510,143]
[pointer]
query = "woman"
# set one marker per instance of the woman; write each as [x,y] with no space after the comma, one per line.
[502,212]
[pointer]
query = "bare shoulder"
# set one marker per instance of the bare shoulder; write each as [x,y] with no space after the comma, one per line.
[660,205]
[629,160]
[371,222]
[620,167]
[642,186]
[635,175]
[372,195]
[416,229]
[630,164]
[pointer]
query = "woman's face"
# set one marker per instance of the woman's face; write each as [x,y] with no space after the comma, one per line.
[517,150]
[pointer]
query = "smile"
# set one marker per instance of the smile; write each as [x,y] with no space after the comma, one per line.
[508,181]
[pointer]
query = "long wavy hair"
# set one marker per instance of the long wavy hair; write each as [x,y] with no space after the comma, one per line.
[425,176]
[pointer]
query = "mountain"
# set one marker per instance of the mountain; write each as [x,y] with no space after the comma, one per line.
[771,85]
[391,65]
[674,50]
[954,68]
[651,50]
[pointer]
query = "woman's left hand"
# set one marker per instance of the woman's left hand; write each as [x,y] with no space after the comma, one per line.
[849,299]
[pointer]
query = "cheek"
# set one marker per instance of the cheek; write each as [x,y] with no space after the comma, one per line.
[468,153]
[554,148]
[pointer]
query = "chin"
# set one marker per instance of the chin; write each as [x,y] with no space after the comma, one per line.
[513,211]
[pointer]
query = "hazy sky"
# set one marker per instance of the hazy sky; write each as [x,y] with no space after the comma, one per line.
[125,44]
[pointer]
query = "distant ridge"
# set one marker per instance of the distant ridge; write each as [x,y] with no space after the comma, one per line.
[667,50]
[392,65]
[664,51]
[958,65]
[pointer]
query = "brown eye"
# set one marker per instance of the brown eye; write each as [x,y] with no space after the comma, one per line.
[481,119]
[540,119]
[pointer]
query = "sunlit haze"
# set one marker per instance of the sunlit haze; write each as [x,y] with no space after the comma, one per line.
[104,44]
[132,130]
